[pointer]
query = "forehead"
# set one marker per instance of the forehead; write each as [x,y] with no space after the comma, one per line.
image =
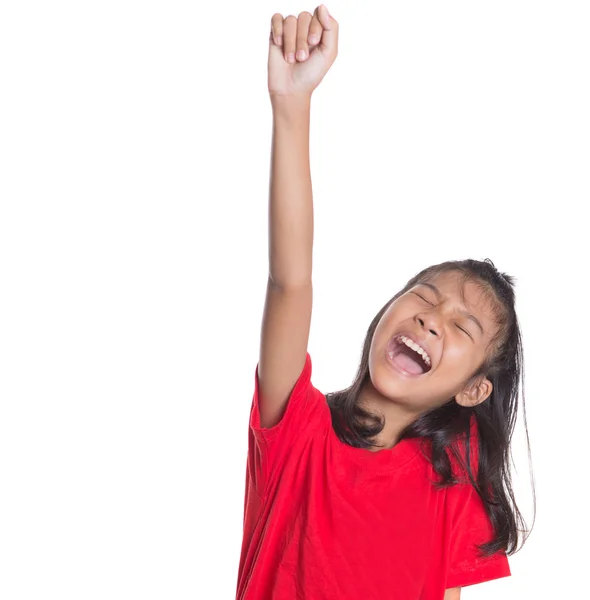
[476,297]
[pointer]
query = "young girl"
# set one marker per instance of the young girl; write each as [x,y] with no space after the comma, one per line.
[397,487]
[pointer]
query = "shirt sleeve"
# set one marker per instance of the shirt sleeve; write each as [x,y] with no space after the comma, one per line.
[305,413]
[469,527]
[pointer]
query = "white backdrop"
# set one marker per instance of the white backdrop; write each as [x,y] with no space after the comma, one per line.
[135,149]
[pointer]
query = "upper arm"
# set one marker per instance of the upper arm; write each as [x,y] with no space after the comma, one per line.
[283,347]
[453,594]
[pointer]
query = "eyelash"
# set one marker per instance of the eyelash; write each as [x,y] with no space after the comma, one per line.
[416,293]
[461,328]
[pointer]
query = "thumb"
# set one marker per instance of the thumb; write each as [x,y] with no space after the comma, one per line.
[329,41]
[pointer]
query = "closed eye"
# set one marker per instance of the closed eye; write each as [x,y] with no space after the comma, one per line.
[464,330]
[419,296]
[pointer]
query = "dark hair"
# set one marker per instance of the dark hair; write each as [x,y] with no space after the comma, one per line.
[443,426]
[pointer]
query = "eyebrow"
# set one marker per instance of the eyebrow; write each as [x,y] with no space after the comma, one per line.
[463,312]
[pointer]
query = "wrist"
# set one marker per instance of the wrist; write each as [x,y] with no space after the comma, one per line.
[290,106]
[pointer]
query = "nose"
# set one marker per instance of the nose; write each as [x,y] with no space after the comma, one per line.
[430,322]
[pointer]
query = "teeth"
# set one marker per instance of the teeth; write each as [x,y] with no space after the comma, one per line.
[408,342]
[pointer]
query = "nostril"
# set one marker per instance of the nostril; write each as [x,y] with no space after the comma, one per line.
[433,332]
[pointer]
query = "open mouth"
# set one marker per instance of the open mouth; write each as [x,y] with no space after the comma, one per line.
[408,356]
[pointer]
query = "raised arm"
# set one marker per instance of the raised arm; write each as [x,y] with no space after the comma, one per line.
[288,305]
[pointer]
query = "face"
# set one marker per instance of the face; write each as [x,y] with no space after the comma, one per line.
[429,343]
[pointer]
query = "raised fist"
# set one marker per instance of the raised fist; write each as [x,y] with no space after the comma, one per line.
[301,51]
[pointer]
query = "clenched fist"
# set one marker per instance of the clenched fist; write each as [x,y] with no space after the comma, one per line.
[301,51]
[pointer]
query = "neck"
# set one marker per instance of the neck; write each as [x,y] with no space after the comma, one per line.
[396,416]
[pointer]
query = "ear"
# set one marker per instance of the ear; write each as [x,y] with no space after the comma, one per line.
[475,393]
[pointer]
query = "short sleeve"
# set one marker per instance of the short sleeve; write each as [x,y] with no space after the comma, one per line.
[305,413]
[470,526]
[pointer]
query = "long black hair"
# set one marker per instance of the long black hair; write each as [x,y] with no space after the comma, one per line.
[443,426]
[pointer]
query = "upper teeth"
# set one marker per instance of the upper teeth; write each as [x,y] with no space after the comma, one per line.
[408,342]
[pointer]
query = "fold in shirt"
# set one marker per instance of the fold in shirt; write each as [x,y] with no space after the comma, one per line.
[324,520]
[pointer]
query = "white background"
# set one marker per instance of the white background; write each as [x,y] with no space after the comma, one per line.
[135,147]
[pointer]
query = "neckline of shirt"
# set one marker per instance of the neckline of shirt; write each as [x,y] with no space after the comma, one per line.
[383,460]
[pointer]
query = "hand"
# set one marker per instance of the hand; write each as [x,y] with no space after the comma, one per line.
[301,51]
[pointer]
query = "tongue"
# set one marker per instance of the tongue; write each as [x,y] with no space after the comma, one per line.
[408,363]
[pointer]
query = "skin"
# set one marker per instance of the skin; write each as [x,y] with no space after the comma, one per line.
[288,305]
[302,51]
[455,344]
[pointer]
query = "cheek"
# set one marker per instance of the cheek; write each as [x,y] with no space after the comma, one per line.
[397,314]
[382,332]
[459,358]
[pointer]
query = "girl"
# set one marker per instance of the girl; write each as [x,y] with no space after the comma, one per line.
[397,487]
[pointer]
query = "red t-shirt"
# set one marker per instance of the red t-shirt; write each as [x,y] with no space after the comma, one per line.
[324,520]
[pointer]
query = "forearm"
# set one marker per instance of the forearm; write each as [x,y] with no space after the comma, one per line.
[290,194]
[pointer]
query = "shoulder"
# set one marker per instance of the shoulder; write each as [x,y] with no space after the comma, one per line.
[305,406]
[463,453]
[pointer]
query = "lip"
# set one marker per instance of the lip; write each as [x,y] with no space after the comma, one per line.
[391,344]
